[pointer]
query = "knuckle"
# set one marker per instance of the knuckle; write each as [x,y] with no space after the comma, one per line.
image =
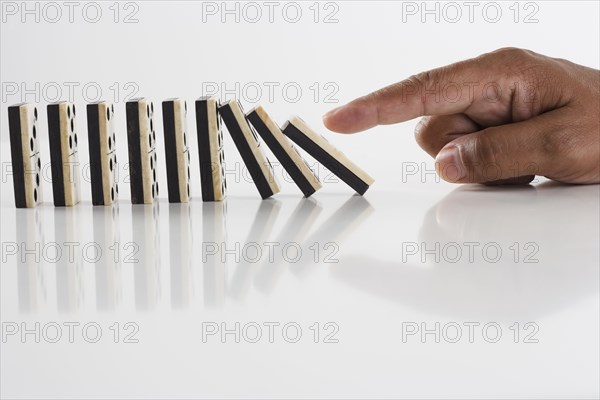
[533,79]
[424,81]
[511,52]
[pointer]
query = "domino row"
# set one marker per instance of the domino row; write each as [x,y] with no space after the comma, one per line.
[141,138]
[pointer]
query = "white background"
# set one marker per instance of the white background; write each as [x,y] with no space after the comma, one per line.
[375,290]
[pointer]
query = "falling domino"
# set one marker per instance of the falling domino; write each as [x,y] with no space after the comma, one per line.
[141,136]
[177,153]
[25,154]
[285,151]
[141,140]
[103,155]
[325,153]
[248,145]
[64,153]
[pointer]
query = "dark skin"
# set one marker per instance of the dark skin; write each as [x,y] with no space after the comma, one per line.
[502,117]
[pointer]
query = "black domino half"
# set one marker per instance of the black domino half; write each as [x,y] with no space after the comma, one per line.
[177,154]
[210,149]
[325,153]
[25,154]
[64,153]
[103,155]
[141,141]
[248,145]
[285,151]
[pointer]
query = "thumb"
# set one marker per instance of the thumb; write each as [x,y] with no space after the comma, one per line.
[504,153]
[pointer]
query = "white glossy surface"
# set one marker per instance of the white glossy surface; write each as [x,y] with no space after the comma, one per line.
[384,281]
[369,294]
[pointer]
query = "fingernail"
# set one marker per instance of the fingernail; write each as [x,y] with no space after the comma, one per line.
[448,164]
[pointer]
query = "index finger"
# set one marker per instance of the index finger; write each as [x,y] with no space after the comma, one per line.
[439,91]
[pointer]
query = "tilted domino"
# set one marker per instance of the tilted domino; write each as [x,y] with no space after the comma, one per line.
[285,151]
[25,154]
[177,152]
[103,154]
[210,149]
[64,153]
[325,153]
[141,140]
[248,145]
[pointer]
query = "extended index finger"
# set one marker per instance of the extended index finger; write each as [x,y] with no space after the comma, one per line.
[446,90]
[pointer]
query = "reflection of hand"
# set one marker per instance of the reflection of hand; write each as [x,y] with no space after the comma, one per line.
[503,116]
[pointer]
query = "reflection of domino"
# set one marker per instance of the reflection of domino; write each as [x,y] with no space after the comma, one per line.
[325,153]
[103,155]
[105,225]
[285,151]
[210,149]
[181,255]
[146,269]
[64,154]
[25,153]
[69,270]
[177,152]
[31,274]
[214,231]
[248,145]
[141,140]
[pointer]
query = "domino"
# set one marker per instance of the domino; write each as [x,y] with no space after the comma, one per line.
[103,155]
[210,149]
[285,151]
[141,140]
[64,153]
[25,154]
[325,153]
[248,145]
[177,152]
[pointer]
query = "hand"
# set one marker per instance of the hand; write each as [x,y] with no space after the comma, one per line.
[502,117]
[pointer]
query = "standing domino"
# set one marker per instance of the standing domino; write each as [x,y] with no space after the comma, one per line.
[64,154]
[103,155]
[248,145]
[141,140]
[285,151]
[25,153]
[210,149]
[325,153]
[177,153]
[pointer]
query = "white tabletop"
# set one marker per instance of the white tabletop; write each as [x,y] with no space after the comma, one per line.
[516,275]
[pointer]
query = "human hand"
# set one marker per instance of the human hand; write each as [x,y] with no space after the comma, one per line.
[502,117]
